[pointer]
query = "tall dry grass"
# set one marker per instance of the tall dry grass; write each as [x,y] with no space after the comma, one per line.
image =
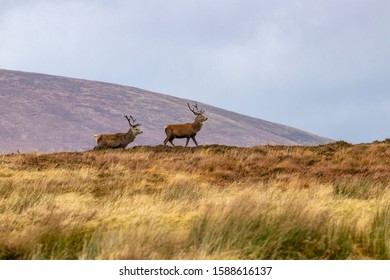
[211,202]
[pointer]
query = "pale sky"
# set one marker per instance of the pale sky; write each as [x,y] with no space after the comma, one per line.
[322,66]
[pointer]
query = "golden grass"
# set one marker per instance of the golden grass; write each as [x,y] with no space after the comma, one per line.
[211,202]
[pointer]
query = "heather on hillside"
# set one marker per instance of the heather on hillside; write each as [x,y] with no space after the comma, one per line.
[210,202]
[52,113]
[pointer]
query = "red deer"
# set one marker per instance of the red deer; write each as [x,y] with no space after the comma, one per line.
[119,140]
[186,130]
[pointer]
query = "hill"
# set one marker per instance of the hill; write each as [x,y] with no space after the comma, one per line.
[212,202]
[50,113]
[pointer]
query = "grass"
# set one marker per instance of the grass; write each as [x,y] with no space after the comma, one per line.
[211,202]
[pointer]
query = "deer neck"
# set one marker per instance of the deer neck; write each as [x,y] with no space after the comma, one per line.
[197,125]
[130,134]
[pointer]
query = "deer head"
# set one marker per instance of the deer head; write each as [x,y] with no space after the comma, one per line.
[198,113]
[133,125]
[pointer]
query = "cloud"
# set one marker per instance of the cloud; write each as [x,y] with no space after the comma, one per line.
[320,66]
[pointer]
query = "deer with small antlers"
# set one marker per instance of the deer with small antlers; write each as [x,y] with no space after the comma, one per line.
[186,130]
[119,140]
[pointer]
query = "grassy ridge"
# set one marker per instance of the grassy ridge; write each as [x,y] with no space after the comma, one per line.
[212,202]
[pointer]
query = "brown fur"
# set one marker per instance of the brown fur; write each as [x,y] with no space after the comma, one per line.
[118,140]
[186,130]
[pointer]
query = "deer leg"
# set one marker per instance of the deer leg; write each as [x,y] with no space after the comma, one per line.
[188,139]
[170,139]
[193,138]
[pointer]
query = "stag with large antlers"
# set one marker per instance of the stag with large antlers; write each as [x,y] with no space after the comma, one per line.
[186,130]
[119,140]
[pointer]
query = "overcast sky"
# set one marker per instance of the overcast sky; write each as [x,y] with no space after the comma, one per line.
[322,66]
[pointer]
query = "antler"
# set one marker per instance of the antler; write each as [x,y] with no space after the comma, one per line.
[196,107]
[132,121]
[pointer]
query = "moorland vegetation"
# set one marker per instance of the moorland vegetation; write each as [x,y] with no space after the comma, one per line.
[210,202]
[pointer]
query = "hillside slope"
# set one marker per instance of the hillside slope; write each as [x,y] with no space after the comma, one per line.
[50,113]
